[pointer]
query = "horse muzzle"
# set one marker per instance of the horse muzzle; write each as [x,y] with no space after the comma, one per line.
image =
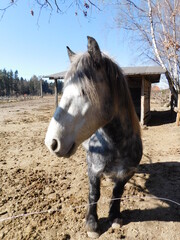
[54,145]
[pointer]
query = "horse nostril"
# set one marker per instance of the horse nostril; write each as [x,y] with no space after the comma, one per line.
[54,145]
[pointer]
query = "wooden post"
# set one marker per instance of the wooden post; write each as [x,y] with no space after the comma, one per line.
[56,92]
[41,88]
[178,111]
[142,102]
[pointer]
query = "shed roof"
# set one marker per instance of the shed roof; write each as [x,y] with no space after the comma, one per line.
[151,73]
[59,75]
[143,70]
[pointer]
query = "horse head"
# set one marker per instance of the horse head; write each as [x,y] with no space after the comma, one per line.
[85,105]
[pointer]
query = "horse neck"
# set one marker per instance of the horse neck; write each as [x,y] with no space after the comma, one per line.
[116,132]
[123,125]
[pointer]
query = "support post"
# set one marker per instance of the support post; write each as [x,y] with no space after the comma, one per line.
[41,88]
[56,92]
[142,102]
[178,111]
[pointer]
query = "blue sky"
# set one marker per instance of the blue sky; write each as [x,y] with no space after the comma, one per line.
[40,48]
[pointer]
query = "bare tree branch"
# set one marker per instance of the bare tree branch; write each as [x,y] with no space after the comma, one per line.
[155,24]
[3,10]
[94,5]
[59,5]
[135,5]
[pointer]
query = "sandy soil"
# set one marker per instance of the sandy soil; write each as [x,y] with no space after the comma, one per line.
[43,197]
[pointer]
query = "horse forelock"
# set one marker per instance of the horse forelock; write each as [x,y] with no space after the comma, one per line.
[82,74]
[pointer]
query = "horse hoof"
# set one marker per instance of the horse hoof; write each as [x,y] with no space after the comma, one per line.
[117,223]
[93,235]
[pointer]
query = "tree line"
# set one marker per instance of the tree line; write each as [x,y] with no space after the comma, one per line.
[13,85]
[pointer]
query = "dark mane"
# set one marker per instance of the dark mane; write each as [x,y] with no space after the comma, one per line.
[122,100]
[85,74]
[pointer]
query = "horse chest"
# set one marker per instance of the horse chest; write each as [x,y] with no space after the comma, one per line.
[104,158]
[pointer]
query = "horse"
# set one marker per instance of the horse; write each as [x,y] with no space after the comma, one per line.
[96,109]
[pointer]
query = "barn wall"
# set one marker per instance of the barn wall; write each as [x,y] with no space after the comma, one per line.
[140,89]
[135,89]
[136,97]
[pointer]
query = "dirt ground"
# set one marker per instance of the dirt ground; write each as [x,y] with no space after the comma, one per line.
[44,197]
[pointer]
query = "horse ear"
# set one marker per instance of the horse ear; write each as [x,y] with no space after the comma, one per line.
[94,50]
[70,53]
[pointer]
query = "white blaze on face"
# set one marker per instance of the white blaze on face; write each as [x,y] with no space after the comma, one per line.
[70,123]
[70,92]
[75,107]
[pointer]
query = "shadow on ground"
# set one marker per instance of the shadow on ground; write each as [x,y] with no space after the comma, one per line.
[162,117]
[163,182]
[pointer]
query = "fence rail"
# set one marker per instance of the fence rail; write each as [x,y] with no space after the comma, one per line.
[17,99]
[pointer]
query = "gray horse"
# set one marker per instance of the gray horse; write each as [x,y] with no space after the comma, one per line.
[96,105]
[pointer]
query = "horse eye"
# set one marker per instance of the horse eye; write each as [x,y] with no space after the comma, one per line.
[83,92]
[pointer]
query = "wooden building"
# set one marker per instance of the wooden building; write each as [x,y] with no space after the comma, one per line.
[139,81]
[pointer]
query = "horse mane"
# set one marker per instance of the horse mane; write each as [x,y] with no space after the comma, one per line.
[122,99]
[84,69]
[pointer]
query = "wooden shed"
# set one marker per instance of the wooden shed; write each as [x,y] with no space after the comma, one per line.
[139,81]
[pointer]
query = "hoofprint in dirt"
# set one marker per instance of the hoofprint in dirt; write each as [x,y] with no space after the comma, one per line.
[56,190]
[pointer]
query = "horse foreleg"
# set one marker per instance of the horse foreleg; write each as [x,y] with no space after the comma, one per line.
[114,212]
[91,217]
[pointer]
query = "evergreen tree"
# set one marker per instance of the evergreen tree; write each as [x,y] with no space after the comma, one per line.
[11,84]
[2,87]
